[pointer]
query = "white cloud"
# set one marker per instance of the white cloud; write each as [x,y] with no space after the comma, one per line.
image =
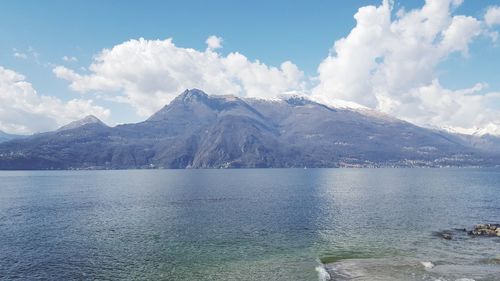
[389,62]
[466,108]
[69,59]
[492,16]
[23,110]
[19,55]
[29,53]
[147,74]
[214,42]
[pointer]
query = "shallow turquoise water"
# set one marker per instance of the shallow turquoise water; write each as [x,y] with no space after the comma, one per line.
[256,224]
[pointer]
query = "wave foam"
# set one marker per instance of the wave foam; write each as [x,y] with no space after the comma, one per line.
[427,264]
[323,275]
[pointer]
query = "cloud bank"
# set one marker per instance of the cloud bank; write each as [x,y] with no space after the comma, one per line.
[149,73]
[388,62]
[23,111]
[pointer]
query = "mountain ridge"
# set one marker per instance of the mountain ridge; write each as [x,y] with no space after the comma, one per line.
[7,137]
[197,130]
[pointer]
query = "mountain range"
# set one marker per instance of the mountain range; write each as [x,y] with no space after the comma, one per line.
[197,130]
[6,137]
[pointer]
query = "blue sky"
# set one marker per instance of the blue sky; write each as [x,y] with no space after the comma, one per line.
[272,32]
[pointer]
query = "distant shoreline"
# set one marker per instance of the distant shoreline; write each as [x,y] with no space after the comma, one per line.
[254,168]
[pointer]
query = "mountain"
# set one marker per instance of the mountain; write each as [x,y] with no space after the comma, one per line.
[90,119]
[486,142]
[200,131]
[7,137]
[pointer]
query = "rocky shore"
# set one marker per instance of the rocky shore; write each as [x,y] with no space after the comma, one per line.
[479,230]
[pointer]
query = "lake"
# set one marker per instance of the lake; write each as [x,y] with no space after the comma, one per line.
[251,224]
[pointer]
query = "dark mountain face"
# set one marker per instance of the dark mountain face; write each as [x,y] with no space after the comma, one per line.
[200,131]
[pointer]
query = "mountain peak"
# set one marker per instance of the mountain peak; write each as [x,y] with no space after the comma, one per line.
[296,100]
[200,103]
[89,119]
[192,94]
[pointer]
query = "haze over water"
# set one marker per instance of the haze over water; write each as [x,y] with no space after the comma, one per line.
[254,224]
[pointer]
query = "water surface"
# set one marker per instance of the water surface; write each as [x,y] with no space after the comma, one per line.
[253,224]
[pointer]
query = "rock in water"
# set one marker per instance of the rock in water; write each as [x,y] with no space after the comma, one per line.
[486,230]
[446,236]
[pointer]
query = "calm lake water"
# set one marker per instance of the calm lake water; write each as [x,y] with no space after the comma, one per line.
[256,224]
